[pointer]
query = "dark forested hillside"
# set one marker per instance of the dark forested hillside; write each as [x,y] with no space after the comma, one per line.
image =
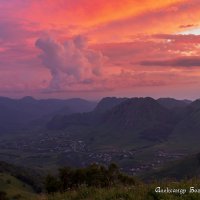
[142,117]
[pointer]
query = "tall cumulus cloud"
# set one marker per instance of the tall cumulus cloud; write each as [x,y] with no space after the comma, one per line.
[71,62]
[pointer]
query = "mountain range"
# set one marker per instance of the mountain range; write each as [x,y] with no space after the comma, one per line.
[111,121]
[16,114]
[132,120]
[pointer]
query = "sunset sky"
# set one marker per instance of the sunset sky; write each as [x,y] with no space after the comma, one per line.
[96,48]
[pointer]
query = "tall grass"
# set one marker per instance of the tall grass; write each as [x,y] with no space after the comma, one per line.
[141,191]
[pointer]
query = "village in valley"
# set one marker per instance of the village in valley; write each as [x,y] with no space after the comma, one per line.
[43,147]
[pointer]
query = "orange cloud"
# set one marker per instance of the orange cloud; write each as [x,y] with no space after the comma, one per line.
[89,13]
[167,19]
[105,21]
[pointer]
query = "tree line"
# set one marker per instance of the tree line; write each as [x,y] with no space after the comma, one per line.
[92,176]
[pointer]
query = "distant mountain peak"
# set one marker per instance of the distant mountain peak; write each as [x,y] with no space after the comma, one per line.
[28,98]
[172,103]
[137,109]
[107,103]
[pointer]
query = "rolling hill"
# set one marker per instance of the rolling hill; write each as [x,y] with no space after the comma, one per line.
[13,188]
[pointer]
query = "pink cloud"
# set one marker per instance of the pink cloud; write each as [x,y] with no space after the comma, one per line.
[70,62]
[111,58]
[188,61]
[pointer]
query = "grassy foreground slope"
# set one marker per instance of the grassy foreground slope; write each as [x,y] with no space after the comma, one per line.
[138,192]
[13,188]
[16,190]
